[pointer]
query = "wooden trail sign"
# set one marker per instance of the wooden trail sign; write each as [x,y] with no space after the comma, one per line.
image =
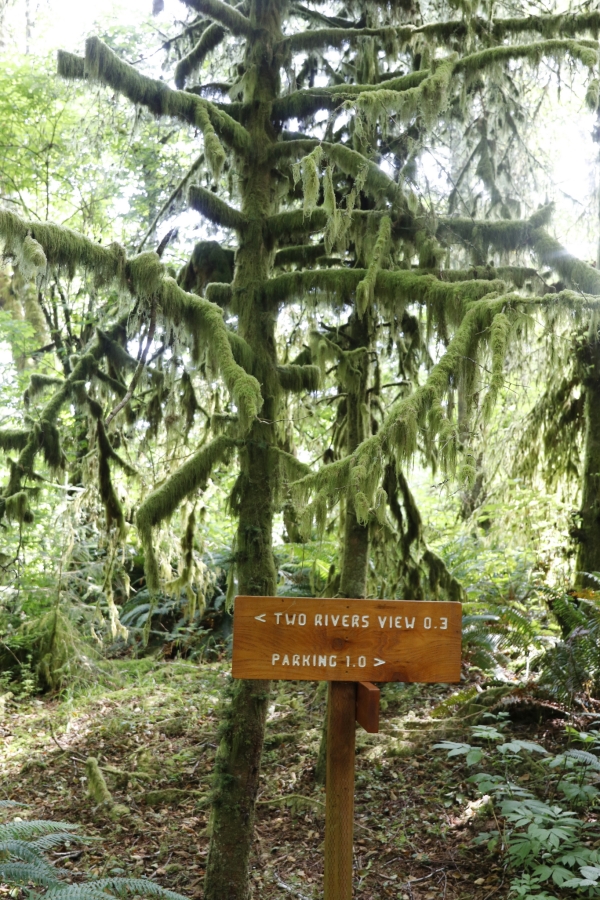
[308,639]
[348,643]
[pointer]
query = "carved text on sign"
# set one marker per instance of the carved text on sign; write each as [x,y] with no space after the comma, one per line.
[346,640]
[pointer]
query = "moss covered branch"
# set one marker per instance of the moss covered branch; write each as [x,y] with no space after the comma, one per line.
[102,64]
[164,500]
[294,223]
[214,209]
[235,21]
[210,38]
[298,379]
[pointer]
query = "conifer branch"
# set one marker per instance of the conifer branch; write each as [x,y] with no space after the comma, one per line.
[313,15]
[236,22]
[298,379]
[578,274]
[374,180]
[306,102]
[295,222]
[144,277]
[301,255]
[337,37]
[564,24]
[210,38]
[219,293]
[102,64]
[214,209]
[583,50]
[164,500]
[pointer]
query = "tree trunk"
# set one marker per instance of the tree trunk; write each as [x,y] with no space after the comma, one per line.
[355,548]
[238,759]
[588,534]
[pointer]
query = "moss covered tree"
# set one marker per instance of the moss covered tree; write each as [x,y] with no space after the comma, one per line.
[316,135]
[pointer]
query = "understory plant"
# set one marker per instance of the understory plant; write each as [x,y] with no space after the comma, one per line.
[26,844]
[544,805]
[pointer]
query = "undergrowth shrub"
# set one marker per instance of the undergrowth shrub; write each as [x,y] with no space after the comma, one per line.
[543,806]
[573,664]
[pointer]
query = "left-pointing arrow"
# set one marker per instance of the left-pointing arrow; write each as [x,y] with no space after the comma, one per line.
[262,617]
[379,662]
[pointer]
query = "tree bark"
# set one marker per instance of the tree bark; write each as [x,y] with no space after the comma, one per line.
[238,759]
[588,533]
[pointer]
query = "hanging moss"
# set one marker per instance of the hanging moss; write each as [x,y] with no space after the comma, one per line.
[17,508]
[164,500]
[294,223]
[427,100]
[209,262]
[214,209]
[51,447]
[38,382]
[499,335]
[365,292]
[575,272]
[210,38]
[32,259]
[13,438]
[101,64]
[207,328]
[298,379]
[63,248]
[70,66]
[229,16]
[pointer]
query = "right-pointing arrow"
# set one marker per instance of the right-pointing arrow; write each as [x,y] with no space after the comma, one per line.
[379,662]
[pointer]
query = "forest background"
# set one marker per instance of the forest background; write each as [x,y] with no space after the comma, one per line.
[183,455]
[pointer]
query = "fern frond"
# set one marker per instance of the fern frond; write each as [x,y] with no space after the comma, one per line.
[38,873]
[31,829]
[584,756]
[101,888]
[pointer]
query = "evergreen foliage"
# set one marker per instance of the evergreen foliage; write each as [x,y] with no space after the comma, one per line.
[349,180]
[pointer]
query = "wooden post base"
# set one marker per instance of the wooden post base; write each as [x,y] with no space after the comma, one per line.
[339,798]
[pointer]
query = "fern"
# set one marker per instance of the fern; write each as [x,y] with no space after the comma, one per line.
[22,862]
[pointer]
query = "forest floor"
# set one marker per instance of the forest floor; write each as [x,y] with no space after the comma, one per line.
[153,728]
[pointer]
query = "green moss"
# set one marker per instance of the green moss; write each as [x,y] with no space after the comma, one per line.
[63,248]
[13,438]
[101,64]
[365,292]
[210,38]
[214,209]
[164,500]
[207,328]
[234,21]
[286,225]
[299,378]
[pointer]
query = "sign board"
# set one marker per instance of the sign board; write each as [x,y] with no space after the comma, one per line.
[312,639]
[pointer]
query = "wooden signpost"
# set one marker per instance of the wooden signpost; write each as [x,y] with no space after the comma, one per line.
[350,644]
